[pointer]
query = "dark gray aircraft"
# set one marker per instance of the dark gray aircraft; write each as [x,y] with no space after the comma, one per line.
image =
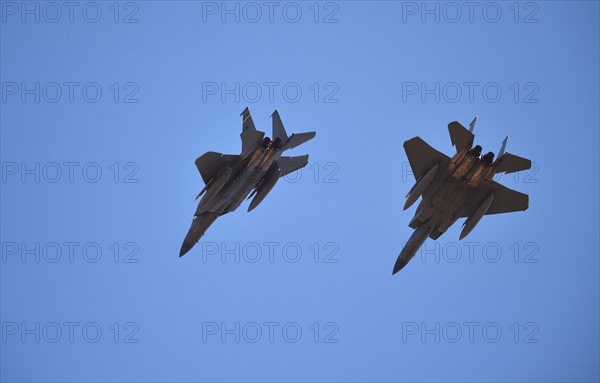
[230,178]
[457,187]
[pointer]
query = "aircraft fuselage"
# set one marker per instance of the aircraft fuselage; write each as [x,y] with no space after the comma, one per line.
[231,187]
[452,193]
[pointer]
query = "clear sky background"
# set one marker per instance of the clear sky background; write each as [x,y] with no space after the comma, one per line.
[517,300]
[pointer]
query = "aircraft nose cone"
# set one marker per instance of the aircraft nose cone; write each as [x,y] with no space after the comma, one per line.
[400,263]
[185,247]
[405,256]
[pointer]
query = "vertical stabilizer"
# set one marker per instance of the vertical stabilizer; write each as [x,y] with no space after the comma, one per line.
[250,136]
[278,128]
[472,124]
[503,147]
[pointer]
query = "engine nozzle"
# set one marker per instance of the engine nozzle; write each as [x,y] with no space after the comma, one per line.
[276,144]
[488,158]
[265,143]
[476,151]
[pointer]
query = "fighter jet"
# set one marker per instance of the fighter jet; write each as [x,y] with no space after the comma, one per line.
[230,178]
[461,186]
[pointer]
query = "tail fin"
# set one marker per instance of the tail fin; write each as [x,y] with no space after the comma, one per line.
[250,136]
[292,141]
[278,129]
[503,147]
[509,163]
[472,124]
[247,123]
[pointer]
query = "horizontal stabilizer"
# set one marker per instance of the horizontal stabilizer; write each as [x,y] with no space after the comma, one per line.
[210,164]
[460,136]
[291,164]
[292,141]
[298,139]
[423,157]
[509,163]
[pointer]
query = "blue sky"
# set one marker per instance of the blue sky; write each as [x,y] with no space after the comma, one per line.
[105,107]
